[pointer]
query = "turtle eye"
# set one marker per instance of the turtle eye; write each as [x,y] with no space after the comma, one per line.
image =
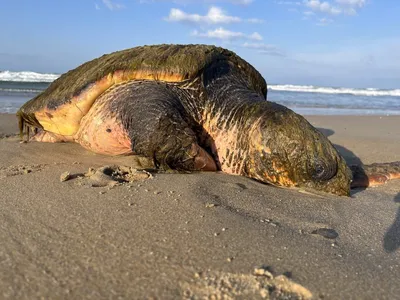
[322,171]
[319,171]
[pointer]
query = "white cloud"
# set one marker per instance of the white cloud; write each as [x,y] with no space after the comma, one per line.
[112,5]
[237,2]
[255,36]
[243,2]
[307,15]
[350,11]
[265,49]
[331,7]
[226,35]
[255,21]
[324,7]
[348,7]
[288,2]
[357,3]
[324,21]
[215,15]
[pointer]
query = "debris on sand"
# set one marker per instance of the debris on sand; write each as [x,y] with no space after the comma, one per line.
[108,176]
[22,169]
[263,272]
[327,233]
[65,176]
[221,285]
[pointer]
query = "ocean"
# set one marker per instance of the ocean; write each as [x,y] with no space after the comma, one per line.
[18,87]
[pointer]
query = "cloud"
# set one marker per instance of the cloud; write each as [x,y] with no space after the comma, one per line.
[242,2]
[265,49]
[307,15]
[112,5]
[215,15]
[324,7]
[356,3]
[226,35]
[332,7]
[255,21]
[348,7]
[288,2]
[324,21]
[236,2]
[96,6]
[255,36]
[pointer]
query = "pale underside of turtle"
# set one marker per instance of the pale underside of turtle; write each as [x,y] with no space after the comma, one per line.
[191,108]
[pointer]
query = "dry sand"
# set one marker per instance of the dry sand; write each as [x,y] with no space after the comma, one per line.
[195,235]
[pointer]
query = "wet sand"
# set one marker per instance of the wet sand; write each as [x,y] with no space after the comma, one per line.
[195,235]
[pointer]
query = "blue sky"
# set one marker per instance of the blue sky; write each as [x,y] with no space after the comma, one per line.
[351,43]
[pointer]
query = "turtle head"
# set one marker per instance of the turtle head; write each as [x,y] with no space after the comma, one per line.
[288,151]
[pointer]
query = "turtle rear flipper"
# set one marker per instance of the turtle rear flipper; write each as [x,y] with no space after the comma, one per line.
[159,126]
[375,174]
[145,118]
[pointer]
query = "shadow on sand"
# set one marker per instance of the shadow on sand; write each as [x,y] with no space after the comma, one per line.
[391,241]
[349,156]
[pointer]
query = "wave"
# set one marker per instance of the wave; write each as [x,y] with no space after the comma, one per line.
[27,76]
[331,90]
[33,77]
[21,90]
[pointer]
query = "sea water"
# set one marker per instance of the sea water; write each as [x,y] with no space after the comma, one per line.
[18,87]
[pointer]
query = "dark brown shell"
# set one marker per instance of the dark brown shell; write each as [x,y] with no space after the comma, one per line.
[189,61]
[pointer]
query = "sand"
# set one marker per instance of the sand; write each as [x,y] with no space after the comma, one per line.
[195,236]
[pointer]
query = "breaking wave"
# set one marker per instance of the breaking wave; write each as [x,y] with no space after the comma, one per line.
[36,78]
[21,90]
[27,76]
[331,90]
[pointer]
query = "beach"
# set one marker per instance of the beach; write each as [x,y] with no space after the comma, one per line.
[196,235]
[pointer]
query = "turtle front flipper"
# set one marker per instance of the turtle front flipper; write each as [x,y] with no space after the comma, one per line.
[50,137]
[145,118]
[26,123]
[375,174]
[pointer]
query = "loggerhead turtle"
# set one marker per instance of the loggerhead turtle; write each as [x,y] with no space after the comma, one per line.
[191,107]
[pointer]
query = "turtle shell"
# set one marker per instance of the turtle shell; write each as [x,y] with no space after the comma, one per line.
[62,105]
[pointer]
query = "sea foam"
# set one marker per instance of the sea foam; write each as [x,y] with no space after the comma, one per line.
[332,90]
[27,76]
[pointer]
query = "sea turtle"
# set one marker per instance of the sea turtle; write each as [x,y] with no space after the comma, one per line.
[191,107]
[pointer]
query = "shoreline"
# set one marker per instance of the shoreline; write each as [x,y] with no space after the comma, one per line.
[184,235]
[318,111]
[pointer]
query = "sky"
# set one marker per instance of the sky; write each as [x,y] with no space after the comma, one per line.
[348,43]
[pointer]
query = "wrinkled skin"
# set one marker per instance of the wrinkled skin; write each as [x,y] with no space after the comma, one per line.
[267,141]
[288,151]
